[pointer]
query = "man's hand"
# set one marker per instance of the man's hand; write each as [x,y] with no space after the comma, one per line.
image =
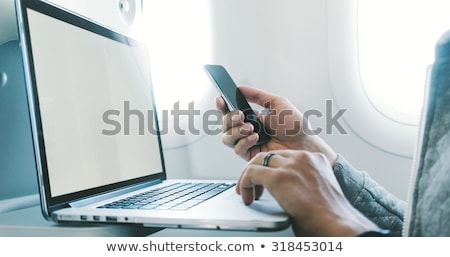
[304,185]
[283,121]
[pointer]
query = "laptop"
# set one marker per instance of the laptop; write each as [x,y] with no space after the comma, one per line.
[92,166]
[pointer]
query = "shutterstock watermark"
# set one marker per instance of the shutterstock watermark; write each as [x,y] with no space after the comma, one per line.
[331,119]
[285,122]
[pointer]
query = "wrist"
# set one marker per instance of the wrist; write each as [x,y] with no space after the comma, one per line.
[360,223]
[340,222]
[317,144]
[355,226]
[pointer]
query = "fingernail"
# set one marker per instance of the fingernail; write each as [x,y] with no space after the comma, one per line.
[252,137]
[246,129]
[236,118]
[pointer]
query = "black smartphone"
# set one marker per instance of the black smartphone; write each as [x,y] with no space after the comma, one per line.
[235,100]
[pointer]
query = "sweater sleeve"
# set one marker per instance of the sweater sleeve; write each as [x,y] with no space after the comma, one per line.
[371,199]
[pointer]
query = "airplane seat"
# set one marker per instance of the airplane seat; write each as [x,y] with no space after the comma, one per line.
[432,168]
[443,46]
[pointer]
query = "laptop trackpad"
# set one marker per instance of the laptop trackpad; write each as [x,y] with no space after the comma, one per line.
[266,204]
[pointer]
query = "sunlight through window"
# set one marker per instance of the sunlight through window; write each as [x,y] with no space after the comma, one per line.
[178,34]
[396,45]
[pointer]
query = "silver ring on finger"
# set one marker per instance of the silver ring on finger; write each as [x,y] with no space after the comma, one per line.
[265,161]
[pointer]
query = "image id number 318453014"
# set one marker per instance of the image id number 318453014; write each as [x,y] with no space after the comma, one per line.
[306,246]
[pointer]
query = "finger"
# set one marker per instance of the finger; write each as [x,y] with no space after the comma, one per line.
[258,160]
[233,136]
[248,195]
[257,96]
[245,129]
[242,146]
[253,176]
[232,119]
[221,105]
[272,159]
[238,187]
[259,190]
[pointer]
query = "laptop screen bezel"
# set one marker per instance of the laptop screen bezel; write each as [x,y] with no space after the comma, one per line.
[54,203]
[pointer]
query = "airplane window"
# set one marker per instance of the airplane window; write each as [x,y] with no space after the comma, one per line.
[178,34]
[396,45]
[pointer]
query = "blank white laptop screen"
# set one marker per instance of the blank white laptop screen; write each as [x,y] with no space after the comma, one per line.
[73,107]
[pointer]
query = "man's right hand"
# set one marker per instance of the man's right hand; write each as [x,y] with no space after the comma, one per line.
[283,121]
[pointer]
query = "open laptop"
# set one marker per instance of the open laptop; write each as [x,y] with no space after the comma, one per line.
[81,77]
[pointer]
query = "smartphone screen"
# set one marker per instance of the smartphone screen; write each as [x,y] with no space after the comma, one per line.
[235,99]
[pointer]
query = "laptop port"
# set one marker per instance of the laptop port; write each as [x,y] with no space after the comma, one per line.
[111,219]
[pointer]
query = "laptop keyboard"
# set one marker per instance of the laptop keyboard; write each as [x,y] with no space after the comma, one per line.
[178,196]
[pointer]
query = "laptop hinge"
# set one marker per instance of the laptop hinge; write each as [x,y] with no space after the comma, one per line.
[101,197]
